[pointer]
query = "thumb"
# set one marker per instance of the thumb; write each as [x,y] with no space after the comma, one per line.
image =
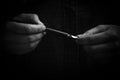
[28,18]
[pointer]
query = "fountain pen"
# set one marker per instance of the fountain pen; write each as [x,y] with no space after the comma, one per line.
[61,32]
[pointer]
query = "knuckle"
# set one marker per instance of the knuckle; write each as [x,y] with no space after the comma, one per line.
[29,39]
[43,26]
[34,16]
[32,38]
[33,45]
[28,29]
[29,15]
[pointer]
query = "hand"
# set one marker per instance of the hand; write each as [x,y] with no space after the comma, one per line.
[100,39]
[23,33]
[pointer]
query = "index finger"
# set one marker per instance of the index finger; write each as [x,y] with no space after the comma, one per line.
[98,29]
[25,28]
[96,38]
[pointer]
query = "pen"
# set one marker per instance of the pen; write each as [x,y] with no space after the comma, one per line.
[61,32]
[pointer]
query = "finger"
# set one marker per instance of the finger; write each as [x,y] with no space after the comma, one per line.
[99,47]
[98,29]
[21,49]
[104,47]
[101,52]
[28,18]
[96,38]
[25,28]
[22,39]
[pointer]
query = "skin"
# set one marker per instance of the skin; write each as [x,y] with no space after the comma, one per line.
[24,33]
[101,38]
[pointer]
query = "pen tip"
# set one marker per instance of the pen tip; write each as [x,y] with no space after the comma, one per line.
[72,36]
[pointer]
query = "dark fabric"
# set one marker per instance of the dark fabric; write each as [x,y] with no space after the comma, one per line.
[58,56]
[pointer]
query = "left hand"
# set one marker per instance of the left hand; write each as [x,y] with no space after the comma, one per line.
[100,39]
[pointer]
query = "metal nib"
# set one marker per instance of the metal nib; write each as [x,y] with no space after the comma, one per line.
[72,36]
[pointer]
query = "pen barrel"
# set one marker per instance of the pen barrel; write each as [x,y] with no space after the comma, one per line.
[58,31]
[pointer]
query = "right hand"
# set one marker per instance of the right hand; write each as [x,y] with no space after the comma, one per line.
[23,33]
